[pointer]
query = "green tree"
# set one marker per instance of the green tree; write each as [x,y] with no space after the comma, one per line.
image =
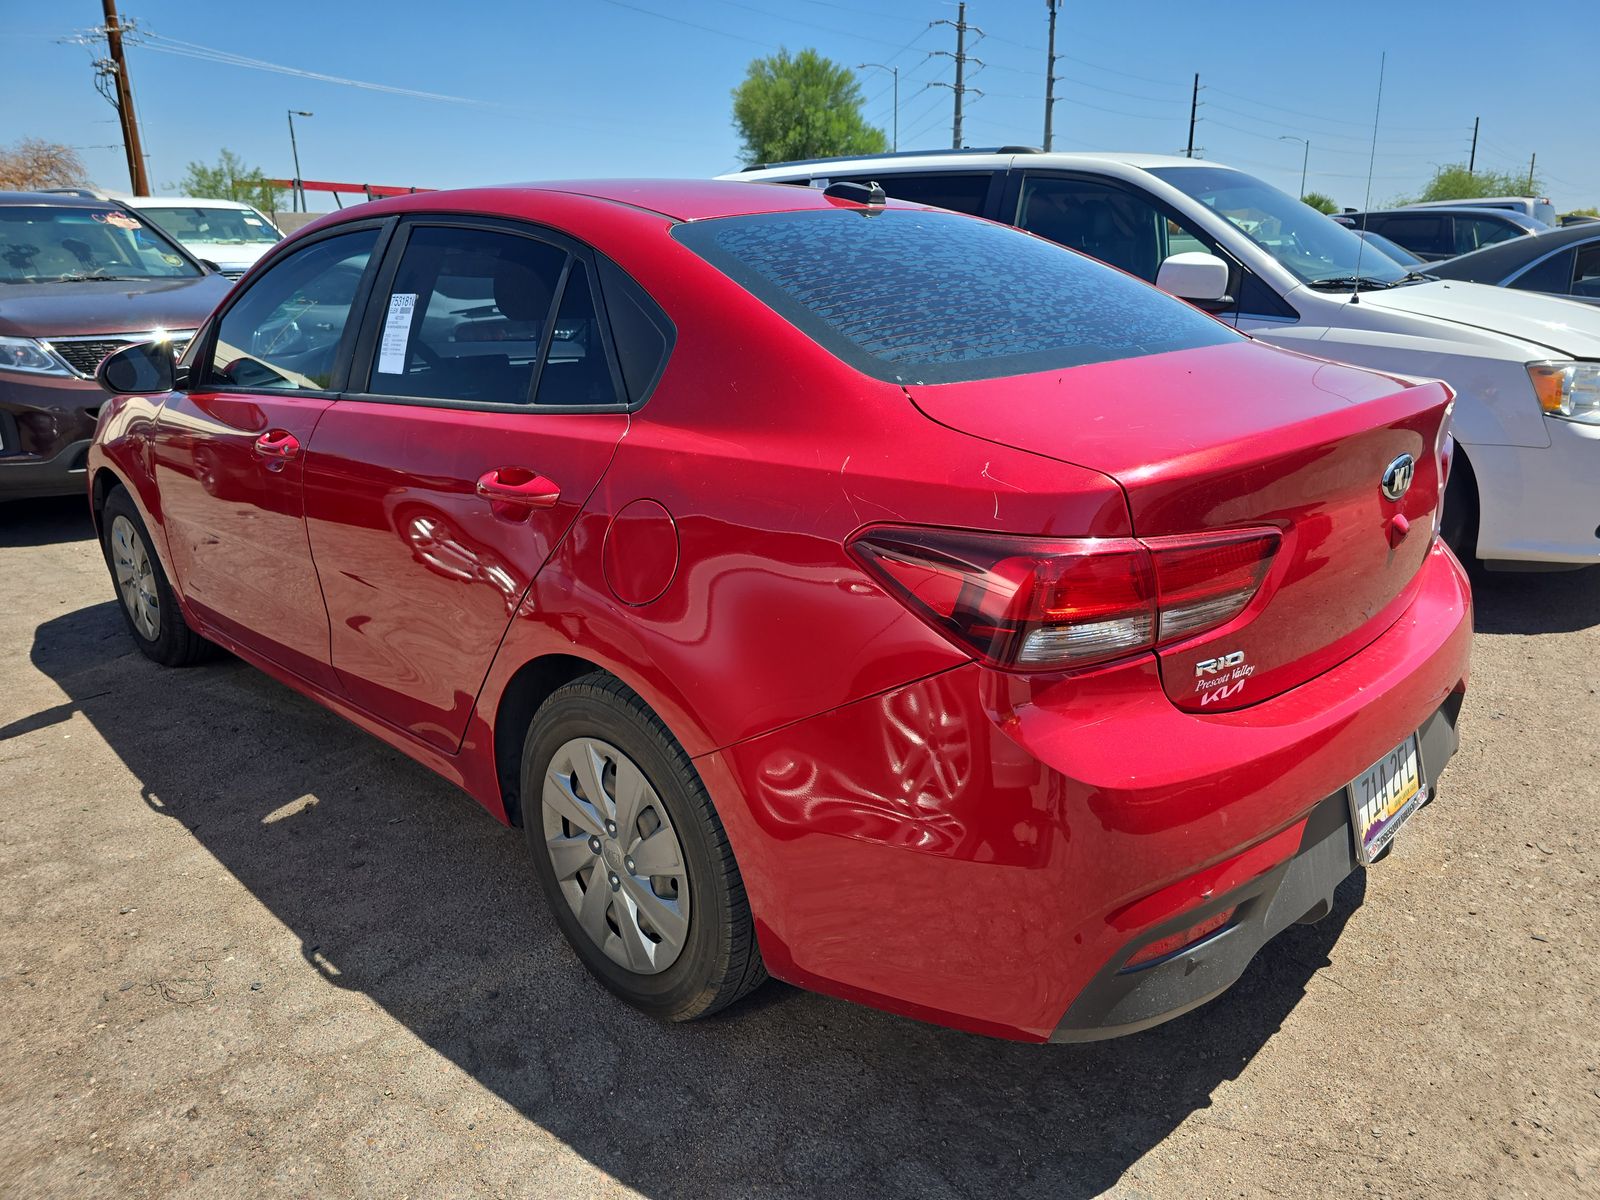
[1583,212]
[1320,201]
[1454,182]
[230,179]
[801,106]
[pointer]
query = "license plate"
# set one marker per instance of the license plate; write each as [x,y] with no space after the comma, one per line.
[1382,797]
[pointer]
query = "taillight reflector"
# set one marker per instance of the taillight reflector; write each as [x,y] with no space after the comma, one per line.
[1174,942]
[1049,604]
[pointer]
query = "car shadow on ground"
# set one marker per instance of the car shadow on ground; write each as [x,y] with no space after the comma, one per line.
[44,522]
[1535,602]
[401,888]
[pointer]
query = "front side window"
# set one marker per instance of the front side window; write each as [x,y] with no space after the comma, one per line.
[59,244]
[214,226]
[927,297]
[1473,233]
[284,333]
[1554,274]
[1306,243]
[472,314]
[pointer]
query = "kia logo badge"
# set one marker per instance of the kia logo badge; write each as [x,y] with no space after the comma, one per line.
[1397,476]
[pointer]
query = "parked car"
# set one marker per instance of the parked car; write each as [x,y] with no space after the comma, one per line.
[1538,208]
[1439,233]
[1527,368]
[79,278]
[225,232]
[1399,253]
[1022,661]
[1560,262]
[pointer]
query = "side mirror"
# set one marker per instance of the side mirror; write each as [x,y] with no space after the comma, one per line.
[143,369]
[211,266]
[1195,276]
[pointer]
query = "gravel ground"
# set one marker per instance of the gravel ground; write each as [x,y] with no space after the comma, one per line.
[246,950]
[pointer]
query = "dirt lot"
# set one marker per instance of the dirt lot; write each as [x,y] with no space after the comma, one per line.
[247,950]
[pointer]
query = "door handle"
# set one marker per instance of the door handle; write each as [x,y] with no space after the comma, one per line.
[520,486]
[277,444]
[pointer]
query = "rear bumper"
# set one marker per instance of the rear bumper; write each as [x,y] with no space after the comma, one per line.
[1124,999]
[986,852]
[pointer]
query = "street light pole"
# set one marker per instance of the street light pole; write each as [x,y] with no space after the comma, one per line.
[299,194]
[895,71]
[1305,158]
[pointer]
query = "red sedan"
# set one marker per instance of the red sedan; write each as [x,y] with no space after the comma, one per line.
[865,595]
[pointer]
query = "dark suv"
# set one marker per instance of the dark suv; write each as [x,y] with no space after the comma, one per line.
[79,278]
[1435,233]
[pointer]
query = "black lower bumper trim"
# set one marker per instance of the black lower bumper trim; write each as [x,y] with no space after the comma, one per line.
[1121,1000]
[65,474]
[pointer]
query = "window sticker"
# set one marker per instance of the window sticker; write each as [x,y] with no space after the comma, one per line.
[396,333]
[256,221]
[120,220]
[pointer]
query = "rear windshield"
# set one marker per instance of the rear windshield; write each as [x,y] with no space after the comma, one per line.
[912,296]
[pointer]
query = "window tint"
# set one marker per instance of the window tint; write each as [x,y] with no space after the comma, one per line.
[284,333]
[50,243]
[915,296]
[1116,226]
[1472,233]
[1420,234]
[577,370]
[640,331]
[959,193]
[1554,274]
[1586,276]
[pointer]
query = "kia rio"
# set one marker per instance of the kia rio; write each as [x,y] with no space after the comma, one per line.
[874,597]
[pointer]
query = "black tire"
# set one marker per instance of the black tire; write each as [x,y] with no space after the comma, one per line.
[174,643]
[1459,527]
[719,962]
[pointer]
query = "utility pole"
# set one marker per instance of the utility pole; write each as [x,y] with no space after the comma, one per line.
[1050,74]
[1194,108]
[960,87]
[1472,159]
[895,71]
[137,177]
[1531,160]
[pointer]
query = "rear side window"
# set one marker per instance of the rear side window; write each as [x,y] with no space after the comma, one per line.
[958,193]
[641,332]
[923,297]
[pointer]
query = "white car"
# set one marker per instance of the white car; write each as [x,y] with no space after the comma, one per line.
[1525,490]
[224,232]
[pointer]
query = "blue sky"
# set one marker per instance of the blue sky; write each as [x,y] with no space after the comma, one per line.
[641,87]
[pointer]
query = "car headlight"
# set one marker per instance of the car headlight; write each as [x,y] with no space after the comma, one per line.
[25,354]
[1570,391]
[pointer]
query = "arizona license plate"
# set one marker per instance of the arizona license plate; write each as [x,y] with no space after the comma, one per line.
[1383,797]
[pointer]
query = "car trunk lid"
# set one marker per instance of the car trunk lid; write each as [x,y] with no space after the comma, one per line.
[1244,436]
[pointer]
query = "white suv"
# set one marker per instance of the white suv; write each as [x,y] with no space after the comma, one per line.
[1526,487]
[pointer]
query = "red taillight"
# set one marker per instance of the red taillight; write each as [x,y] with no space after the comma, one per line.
[1049,604]
[1206,581]
[1174,942]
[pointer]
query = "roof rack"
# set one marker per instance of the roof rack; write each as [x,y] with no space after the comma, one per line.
[806,162]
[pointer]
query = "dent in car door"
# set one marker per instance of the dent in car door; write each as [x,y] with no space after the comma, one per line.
[490,411]
[229,453]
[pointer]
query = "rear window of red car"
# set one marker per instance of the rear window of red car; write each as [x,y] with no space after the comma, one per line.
[912,296]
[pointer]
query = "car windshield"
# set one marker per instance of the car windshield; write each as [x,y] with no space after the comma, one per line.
[218,226]
[1313,248]
[914,296]
[42,243]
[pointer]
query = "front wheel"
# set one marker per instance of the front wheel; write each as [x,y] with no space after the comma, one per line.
[631,855]
[148,604]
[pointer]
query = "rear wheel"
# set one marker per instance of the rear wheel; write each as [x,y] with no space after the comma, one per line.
[148,605]
[631,855]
